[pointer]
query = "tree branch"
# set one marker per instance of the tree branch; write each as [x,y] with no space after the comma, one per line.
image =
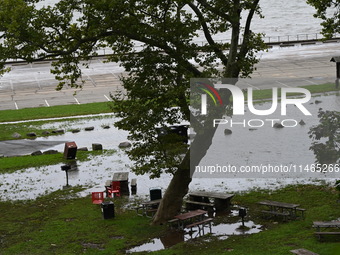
[207,34]
[247,31]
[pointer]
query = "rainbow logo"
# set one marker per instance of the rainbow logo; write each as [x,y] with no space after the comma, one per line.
[212,92]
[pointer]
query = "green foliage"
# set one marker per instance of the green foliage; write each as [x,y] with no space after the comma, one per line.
[329,12]
[159,74]
[326,137]
[337,187]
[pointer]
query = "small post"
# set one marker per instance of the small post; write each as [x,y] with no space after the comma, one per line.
[242,212]
[66,168]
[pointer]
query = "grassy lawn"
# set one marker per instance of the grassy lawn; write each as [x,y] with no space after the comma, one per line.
[61,223]
[54,111]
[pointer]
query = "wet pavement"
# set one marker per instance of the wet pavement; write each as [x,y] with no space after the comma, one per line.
[32,85]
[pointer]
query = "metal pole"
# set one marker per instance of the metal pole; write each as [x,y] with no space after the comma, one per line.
[66,171]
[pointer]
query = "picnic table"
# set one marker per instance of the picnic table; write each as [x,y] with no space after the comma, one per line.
[123,178]
[149,207]
[188,217]
[281,209]
[120,176]
[192,219]
[218,200]
[326,228]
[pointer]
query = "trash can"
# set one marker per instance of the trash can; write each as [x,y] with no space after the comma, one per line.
[70,150]
[155,194]
[108,210]
[242,212]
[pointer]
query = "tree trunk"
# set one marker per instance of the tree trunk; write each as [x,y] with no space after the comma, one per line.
[173,198]
[179,185]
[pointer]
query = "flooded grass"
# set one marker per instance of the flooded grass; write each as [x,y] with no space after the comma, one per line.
[12,164]
[64,223]
[46,128]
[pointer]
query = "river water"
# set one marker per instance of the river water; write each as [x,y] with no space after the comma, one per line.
[282,18]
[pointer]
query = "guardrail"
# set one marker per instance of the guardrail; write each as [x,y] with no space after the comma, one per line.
[269,40]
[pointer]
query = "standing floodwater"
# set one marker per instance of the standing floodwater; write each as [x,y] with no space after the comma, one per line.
[246,147]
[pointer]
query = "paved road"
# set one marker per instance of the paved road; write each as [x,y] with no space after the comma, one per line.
[32,85]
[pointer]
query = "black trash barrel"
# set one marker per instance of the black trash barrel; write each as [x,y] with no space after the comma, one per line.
[155,194]
[70,150]
[108,210]
[242,212]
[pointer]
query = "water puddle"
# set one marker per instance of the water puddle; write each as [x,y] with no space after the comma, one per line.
[221,231]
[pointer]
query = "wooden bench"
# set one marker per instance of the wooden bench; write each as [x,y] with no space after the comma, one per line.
[151,211]
[200,224]
[138,208]
[303,252]
[221,200]
[302,210]
[148,207]
[284,214]
[201,204]
[321,233]
[146,212]
[172,222]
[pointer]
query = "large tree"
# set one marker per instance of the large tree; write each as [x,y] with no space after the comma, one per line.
[329,12]
[155,92]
